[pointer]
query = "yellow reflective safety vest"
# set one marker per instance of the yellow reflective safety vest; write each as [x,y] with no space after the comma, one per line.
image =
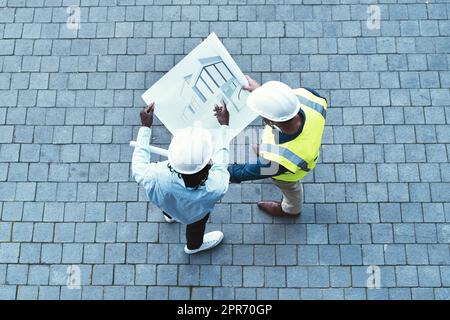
[299,155]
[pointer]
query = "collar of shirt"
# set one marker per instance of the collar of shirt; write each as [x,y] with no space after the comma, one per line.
[288,137]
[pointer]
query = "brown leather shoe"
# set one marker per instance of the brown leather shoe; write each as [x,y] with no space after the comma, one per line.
[274,209]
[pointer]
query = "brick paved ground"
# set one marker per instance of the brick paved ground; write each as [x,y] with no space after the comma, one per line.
[379,196]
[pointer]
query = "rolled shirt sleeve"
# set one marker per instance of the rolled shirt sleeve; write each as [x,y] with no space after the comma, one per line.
[222,147]
[140,166]
[218,172]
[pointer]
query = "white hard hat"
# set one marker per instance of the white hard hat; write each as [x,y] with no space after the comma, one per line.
[190,150]
[275,101]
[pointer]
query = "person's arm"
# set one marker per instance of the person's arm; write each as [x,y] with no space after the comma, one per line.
[141,155]
[140,165]
[254,171]
[221,158]
[221,155]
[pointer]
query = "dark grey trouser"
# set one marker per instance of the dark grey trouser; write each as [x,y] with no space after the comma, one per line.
[194,232]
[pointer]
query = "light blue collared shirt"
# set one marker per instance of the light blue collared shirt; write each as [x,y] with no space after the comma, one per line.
[165,189]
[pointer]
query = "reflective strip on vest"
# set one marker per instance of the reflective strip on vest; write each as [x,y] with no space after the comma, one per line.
[286,153]
[313,105]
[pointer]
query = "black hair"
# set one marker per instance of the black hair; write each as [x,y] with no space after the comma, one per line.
[194,180]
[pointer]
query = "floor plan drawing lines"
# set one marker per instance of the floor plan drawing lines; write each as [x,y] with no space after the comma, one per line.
[207,76]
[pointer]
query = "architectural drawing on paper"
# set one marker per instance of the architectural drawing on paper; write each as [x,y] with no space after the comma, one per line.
[200,89]
[205,77]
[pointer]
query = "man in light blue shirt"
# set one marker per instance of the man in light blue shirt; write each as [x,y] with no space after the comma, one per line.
[192,181]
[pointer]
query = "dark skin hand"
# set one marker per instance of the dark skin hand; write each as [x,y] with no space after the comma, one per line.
[147,115]
[222,114]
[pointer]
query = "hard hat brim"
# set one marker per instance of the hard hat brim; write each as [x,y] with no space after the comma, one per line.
[252,105]
[174,153]
[180,170]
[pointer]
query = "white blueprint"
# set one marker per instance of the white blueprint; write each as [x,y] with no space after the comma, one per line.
[186,95]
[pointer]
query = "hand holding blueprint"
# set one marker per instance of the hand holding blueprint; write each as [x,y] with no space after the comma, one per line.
[205,77]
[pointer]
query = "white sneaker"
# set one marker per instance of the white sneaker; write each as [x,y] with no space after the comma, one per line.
[210,240]
[168,220]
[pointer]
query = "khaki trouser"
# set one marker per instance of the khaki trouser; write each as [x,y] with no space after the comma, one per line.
[292,196]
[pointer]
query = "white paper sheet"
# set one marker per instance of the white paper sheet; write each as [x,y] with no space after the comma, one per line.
[187,93]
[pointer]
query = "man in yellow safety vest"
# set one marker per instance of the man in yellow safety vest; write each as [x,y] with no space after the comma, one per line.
[295,120]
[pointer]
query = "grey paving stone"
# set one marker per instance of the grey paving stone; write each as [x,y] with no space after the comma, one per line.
[93,253]
[317,234]
[428,172]
[308,255]
[433,212]
[114,293]
[223,293]
[400,293]
[314,193]
[318,277]
[17,274]
[241,213]
[264,255]
[253,276]
[231,276]
[329,255]
[8,292]
[442,293]
[422,294]
[210,275]
[351,254]
[275,277]
[123,274]
[373,254]
[29,253]
[360,233]
[72,253]
[27,292]
[201,293]
[137,293]
[295,234]
[188,275]
[267,293]
[426,233]
[429,276]
[442,230]
[340,276]
[9,252]
[167,274]
[242,254]
[406,276]
[102,274]
[38,275]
